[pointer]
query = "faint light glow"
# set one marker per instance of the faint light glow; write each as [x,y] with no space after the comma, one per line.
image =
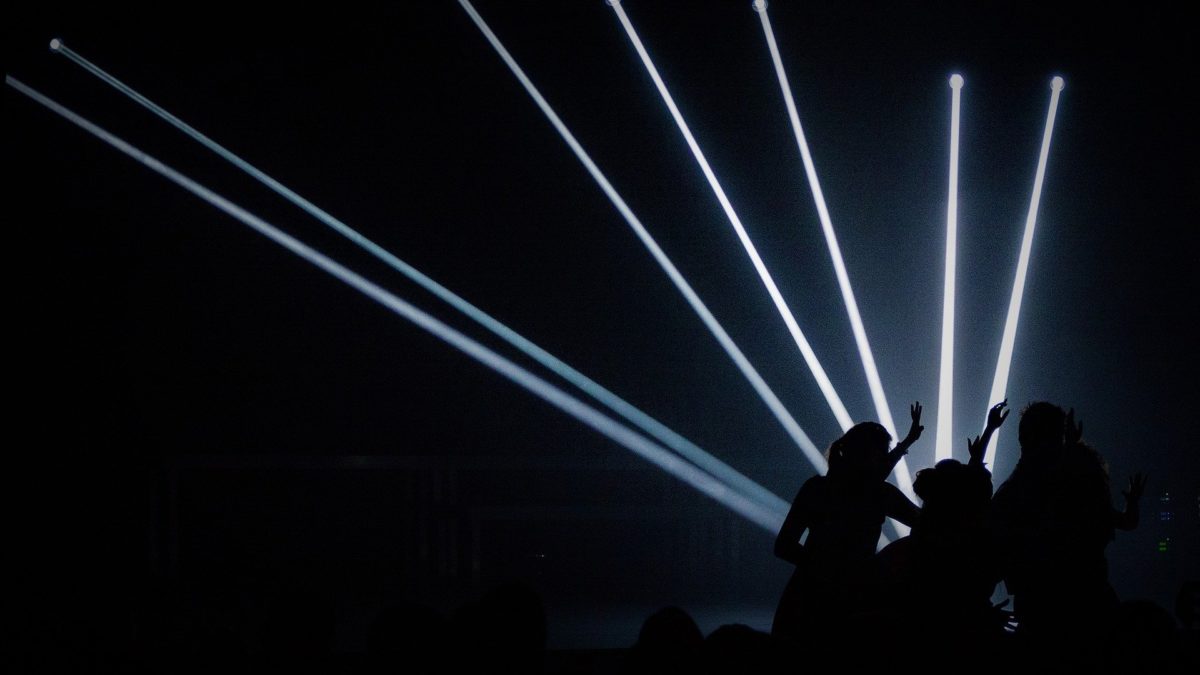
[789,319]
[1164,545]
[55,44]
[748,371]
[1166,512]
[1004,361]
[615,403]
[903,478]
[943,447]
[756,513]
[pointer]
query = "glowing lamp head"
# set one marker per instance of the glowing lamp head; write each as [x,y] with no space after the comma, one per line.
[956,81]
[1057,83]
[55,45]
[760,5]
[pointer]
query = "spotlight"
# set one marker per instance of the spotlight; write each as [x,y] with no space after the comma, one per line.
[615,403]
[789,319]
[731,349]
[756,513]
[1004,361]
[944,444]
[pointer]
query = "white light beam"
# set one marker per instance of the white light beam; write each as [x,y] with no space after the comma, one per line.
[648,424]
[760,386]
[903,478]
[756,513]
[1004,361]
[810,356]
[944,444]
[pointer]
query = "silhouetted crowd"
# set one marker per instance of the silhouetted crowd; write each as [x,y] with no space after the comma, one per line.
[922,602]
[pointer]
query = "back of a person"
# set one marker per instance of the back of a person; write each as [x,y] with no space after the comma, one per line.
[846,525]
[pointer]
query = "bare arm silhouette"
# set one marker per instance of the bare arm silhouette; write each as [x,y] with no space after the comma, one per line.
[899,507]
[1128,519]
[977,448]
[914,433]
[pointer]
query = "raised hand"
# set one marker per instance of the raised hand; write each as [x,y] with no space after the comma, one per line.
[977,447]
[996,415]
[914,431]
[1137,486]
[1128,519]
[1074,431]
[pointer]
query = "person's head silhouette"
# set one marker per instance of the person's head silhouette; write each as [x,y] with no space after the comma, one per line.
[1042,428]
[861,452]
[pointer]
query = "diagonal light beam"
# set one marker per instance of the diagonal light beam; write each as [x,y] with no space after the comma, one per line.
[760,386]
[615,403]
[1004,361]
[903,478]
[943,447]
[756,513]
[810,357]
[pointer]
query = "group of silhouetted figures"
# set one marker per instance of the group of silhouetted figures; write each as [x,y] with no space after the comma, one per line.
[921,603]
[1043,533]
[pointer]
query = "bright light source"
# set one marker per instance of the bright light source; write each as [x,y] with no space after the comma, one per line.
[760,386]
[615,403]
[55,45]
[944,444]
[810,356]
[770,520]
[1004,361]
[903,478]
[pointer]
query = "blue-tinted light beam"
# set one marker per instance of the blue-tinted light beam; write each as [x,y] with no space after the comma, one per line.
[615,403]
[903,478]
[760,386]
[768,519]
[1004,361]
[789,319]
[943,446]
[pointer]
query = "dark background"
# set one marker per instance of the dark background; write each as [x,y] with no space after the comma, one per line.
[196,409]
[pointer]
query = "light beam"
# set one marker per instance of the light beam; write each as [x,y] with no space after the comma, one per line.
[810,357]
[756,513]
[943,447]
[903,478]
[760,386]
[614,402]
[1004,361]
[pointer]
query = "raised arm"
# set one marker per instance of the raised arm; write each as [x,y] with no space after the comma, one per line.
[914,433]
[977,448]
[1128,519]
[899,507]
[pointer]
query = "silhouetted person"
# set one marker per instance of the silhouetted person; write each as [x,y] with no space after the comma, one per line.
[843,513]
[1144,639]
[940,578]
[407,638]
[1187,610]
[670,641]
[1054,517]
[737,648]
[505,632]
